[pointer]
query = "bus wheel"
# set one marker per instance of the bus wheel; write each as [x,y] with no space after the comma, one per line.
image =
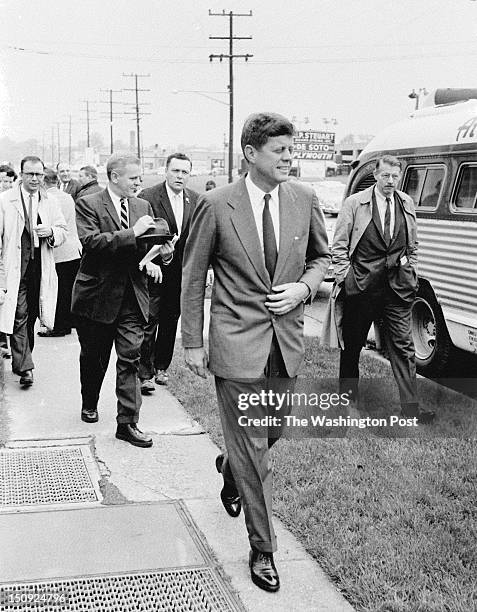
[429,333]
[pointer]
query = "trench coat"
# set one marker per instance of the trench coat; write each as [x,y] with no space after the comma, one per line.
[351,224]
[12,224]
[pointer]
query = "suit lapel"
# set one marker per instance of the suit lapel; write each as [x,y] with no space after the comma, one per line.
[244,223]
[165,204]
[133,211]
[108,203]
[186,215]
[376,218]
[289,213]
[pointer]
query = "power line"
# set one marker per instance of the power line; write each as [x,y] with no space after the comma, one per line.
[230,56]
[110,102]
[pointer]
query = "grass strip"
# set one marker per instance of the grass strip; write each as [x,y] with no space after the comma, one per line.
[393,522]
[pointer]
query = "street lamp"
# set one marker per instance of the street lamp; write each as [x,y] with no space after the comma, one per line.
[416,95]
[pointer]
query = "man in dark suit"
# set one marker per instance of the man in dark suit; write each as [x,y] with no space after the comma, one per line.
[174,202]
[266,240]
[66,183]
[88,181]
[375,265]
[110,295]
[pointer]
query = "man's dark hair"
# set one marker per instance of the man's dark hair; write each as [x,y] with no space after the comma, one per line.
[9,171]
[182,156]
[388,159]
[51,177]
[259,127]
[30,158]
[90,171]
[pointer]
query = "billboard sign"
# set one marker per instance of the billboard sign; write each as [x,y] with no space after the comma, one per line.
[314,145]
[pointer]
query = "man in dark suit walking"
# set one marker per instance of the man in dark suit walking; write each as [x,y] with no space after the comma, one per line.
[174,202]
[266,240]
[375,264]
[110,295]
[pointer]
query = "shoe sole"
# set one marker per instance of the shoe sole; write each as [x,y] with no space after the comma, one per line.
[263,586]
[161,382]
[26,384]
[86,420]
[133,442]
[147,391]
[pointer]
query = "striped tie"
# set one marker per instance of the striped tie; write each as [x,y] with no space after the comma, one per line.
[124,214]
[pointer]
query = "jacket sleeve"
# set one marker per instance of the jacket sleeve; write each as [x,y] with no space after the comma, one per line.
[3,280]
[197,255]
[91,236]
[317,251]
[341,241]
[58,223]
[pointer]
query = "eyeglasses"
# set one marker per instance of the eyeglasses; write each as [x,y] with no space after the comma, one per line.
[33,174]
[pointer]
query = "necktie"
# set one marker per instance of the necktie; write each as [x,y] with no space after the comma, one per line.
[387,222]
[269,242]
[124,214]
[30,227]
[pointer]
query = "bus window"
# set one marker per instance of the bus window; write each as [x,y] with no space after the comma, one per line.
[464,198]
[424,184]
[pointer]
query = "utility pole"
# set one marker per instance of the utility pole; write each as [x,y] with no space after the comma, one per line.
[87,123]
[111,114]
[137,111]
[230,56]
[52,145]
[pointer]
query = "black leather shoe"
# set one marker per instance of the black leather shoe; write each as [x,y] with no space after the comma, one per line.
[147,387]
[229,495]
[263,571]
[89,416]
[130,433]
[54,333]
[26,378]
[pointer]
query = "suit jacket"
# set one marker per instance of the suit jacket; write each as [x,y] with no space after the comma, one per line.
[88,189]
[72,187]
[159,200]
[110,259]
[223,233]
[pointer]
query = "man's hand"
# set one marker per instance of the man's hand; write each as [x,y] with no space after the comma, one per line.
[152,270]
[143,224]
[166,250]
[43,231]
[196,359]
[286,297]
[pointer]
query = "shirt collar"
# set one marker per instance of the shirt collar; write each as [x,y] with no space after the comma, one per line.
[256,194]
[115,198]
[26,194]
[380,199]
[173,195]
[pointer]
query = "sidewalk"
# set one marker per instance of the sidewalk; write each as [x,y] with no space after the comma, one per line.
[177,472]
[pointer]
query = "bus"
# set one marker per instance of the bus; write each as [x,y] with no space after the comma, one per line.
[437,146]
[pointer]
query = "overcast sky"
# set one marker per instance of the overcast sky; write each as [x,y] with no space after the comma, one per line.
[353,61]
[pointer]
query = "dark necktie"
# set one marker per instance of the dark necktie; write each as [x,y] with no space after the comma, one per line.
[269,242]
[124,214]
[30,227]
[387,222]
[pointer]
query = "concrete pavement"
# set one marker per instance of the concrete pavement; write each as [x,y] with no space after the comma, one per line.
[180,466]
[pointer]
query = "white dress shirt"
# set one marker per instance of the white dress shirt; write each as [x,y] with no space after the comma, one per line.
[256,196]
[177,203]
[35,200]
[381,203]
[117,204]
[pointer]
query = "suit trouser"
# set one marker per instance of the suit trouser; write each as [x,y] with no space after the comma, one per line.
[22,339]
[159,334]
[246,466]
[96,340]
[359,312]
[66,272]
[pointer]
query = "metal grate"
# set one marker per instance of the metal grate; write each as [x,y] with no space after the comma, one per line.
[194,590]
[44,476]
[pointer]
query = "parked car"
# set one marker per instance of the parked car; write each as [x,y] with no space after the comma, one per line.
[330,195]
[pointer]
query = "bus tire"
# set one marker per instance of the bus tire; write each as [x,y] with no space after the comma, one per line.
[429,332]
